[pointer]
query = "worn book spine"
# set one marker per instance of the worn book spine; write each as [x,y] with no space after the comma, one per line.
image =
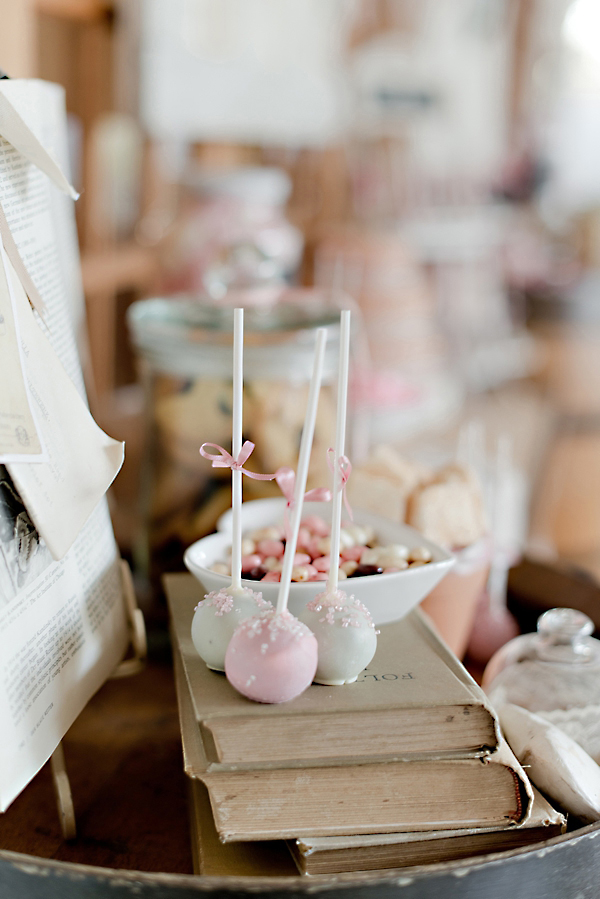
[332,855]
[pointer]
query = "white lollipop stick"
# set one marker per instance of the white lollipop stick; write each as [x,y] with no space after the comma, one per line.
[340,437]
[236,445]
[302,472]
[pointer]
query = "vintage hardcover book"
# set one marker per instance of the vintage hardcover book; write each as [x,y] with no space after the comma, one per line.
[414,700]
[380,797]
[373,852]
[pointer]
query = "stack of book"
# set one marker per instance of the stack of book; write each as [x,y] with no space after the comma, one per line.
[406,765]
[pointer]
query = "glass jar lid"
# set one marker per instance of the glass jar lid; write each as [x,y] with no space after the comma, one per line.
[556,668]
[192,337]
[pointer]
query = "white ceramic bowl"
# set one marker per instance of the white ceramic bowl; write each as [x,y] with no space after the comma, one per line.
[388,597]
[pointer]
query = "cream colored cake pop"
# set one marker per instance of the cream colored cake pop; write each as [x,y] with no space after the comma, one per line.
[345,634]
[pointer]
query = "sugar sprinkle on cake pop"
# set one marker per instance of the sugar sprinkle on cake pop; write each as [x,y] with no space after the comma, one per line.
[272,657]
[345,634]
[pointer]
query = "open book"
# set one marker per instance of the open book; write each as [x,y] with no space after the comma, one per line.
[62,618]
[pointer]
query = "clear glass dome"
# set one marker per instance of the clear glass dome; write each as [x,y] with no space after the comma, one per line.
[554,673]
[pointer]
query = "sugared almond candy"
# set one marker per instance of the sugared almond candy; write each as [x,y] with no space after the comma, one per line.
[270,547]
[315,524]
[324,546]
[370,556]
[322,563]
[248,546]
[268,533]
[346,539]
[220,568]
[360,535]
[419,554]
[252,561]
[352,553]
[303,572]
[349,567]
[271,563]
[272,577]
[393,556]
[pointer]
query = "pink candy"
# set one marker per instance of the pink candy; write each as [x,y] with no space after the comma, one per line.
[251,561]
[317,525]
[270,548]
[352,553]
[360,554]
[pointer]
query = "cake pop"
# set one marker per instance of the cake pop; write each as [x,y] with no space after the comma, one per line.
[220,612]
[342,625]
[272,657]
[217,616]
[345,634]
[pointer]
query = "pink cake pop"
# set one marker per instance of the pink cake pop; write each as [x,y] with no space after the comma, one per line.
[220,612]
[272,657]
[342,625]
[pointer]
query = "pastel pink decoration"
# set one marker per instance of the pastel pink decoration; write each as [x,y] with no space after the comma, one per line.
[272,577]
[286,481]
[225,460]
[302,559]
[352,553]
[344,467]
[251,561]
[271,548]
[322,563]
[304,538]
[271,657]
[317,525]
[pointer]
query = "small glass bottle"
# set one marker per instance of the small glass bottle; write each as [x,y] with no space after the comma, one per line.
[554,673]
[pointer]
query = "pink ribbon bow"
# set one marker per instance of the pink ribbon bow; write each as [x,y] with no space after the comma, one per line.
[286,481]
[345,469]
[226,460]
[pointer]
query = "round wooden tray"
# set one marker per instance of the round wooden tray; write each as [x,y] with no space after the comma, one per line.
[563,868]
[124,761]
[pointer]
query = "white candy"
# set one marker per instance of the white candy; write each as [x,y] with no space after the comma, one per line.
[324,545]
[419,554]
[370,556]
[217,616]
[346,539]
[345,634]
[248,546]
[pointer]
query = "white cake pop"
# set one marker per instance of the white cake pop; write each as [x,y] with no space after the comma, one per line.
[271,657]
[345,633]
[217,616]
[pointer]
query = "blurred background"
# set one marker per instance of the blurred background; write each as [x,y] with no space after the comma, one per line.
[434,164]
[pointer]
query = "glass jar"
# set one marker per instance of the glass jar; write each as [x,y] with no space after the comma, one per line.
[184,348]
[233,233]
[554,673]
